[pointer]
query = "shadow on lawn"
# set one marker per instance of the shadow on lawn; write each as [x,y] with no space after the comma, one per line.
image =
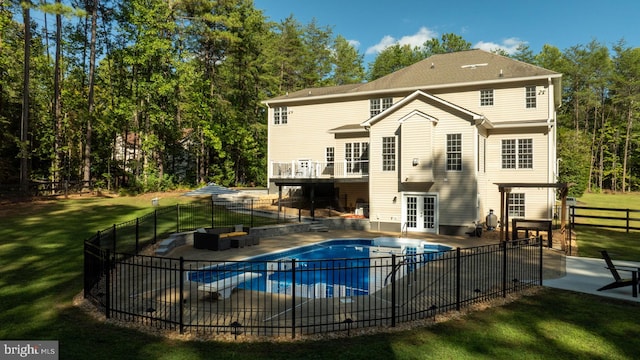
[41,257]
[619,243]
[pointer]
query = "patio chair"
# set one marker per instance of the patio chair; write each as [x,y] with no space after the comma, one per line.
[619,280]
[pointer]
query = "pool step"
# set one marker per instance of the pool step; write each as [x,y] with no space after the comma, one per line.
[318,227]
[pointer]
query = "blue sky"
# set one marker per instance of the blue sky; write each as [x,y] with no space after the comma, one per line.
[374,24]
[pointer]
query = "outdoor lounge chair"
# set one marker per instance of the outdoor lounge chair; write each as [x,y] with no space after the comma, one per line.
[619,281]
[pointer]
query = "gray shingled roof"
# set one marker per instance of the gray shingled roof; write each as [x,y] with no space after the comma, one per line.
[458,68]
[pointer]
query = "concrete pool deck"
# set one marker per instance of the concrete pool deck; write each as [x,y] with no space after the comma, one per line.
[584,275]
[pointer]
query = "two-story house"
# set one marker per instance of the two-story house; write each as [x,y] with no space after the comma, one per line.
[423,149]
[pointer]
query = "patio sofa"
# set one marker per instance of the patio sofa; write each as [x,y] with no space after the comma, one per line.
[223,238]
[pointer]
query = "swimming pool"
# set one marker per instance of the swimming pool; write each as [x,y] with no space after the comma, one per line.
[333,268]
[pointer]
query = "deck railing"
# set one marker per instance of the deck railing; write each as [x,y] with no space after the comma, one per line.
[307,169]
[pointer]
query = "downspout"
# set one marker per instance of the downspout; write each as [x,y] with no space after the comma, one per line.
[476,152]
[552,174]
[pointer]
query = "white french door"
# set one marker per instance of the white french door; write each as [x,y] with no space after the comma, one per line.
[420,213]
[304,169]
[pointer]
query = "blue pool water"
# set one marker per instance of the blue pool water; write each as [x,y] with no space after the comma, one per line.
[340,267]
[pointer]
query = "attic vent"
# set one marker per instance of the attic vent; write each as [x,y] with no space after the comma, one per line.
[473,66]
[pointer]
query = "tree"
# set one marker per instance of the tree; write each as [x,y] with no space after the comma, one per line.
[573,161]
[92,8]
[316,66]
[24,124]
[348,68]
[523,53]
[626,94]
[393,58]
[289,53]
[11,48]
[447,43]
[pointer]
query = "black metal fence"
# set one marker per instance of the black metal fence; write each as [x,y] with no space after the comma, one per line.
[131,236]
[292,297]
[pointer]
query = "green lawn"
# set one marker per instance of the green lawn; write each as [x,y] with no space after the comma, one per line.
[41,272]
[620,244]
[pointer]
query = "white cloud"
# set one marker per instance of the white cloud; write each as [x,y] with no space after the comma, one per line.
[354,43]
[414,40]
[508,45]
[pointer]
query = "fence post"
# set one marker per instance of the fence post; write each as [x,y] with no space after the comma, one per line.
[137,235]
[293,298]
[627,221]
[540,260]
[178,218]
[458,279]
[393,290]
[114,237]
[181,295]
[251,213]
[155,226]
[504,269]
[212,217]
[107,290]
[571,226]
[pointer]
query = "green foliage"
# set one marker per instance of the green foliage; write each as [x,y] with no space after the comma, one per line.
[348,63]
[179,87]
[393,58]
[573,163]
[447,43]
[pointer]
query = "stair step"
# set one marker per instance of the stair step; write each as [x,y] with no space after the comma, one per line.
[318,227]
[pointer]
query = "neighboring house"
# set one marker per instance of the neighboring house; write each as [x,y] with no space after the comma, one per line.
[425,146]
[128,155]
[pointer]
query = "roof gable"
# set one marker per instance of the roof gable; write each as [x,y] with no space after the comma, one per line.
[428,97]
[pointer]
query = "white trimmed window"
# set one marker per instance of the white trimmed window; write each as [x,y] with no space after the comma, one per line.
[376,106]
[516,205]
[330,156]
[356,157]
[280,115]
[517,153]
[486,97]
[530,97]
[388,153]
[454,152]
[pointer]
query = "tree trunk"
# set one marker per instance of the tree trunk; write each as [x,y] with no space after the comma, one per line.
[57,103]
[90,117]
[24,125]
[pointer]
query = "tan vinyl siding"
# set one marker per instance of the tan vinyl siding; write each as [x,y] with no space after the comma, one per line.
[416,143]
[306,135]
[508,102]
[351,193]
[536,199]
[457,190]
[386,204]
